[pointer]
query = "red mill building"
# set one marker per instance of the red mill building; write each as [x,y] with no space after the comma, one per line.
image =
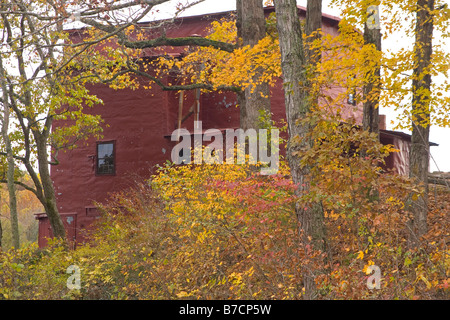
[138,126]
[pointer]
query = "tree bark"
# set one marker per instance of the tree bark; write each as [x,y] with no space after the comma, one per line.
[420,147]
[50,206]
[313,24]
[10,160]
[313,27]
[12,193]
[44,190]
[1,228]
[251,26]
[298,104]
[371,90]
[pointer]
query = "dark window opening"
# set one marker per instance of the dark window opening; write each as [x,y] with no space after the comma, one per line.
[106,158]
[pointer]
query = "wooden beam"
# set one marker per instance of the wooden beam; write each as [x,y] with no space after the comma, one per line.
[180,109]
[197,105]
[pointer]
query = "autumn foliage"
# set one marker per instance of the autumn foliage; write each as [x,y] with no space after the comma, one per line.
[226,232]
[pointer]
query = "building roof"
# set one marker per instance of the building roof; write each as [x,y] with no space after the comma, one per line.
[402,135]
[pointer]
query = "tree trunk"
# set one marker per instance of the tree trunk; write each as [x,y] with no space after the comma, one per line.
[251,26]
[298,104]
[420,147]
[371,90]
[10,160]
[313,58]
[50,206]
[1,228]
[12,194]
[313,24]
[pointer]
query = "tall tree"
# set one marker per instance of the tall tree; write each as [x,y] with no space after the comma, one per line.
[1,227]
[11,166]
[313,26]
[313,31]
[421,87]
[251,27]
[371,90]
[39,86]
[408,72]
[298,104]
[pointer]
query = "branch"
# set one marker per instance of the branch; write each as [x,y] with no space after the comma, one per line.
[200,86]
[23,185]
[55,161]
[179,42]
[62,12]
[15,157]
[439,179]
[112,8]
[183,87]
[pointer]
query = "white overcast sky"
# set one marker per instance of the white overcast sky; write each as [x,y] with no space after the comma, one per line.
[440,155]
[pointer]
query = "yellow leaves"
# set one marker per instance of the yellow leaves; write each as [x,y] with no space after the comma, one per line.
[366,269]
[425,280]
[182,294]
[235,278]
[332,215]
[244,67]
[202,236]
[359,61]
[356,67]
[224,30]
[360,255]
[395,202]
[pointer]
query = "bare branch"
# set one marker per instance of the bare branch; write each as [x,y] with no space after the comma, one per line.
[23,185]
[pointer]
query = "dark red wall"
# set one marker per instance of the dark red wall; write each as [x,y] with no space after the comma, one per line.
[136,121]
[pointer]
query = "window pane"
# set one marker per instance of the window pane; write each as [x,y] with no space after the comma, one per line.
[105,158]
[105,150]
